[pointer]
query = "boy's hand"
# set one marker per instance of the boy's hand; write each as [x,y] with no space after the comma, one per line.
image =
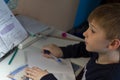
[35,73]
[53,49]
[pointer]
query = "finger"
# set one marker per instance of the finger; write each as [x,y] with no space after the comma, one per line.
[45,70]
[44,48]
[30,71]
[29,76]
[46,55]
[35,68]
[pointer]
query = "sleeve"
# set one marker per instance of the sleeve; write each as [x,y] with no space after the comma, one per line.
[49,77]
[75,51]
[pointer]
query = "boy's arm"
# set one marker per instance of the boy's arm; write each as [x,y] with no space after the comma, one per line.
[74,51]
[48,77]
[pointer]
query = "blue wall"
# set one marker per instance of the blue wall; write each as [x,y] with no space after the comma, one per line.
[84,8]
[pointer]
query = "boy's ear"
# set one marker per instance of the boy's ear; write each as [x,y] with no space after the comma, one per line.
[115,44]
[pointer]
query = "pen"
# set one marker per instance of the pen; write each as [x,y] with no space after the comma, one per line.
[13,56]
[14,72]
[55,58]
[18,69]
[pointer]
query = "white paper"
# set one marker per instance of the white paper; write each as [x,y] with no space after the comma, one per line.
[11,31]
[62,71]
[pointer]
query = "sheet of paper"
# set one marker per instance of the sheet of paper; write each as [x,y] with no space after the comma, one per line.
[61,71]
[11,31]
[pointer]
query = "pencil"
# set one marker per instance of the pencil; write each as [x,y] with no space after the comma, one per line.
[64,38]
[13,56]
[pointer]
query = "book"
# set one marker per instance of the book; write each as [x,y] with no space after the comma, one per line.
[12,32]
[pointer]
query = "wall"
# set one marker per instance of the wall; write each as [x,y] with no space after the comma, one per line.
[56,13]
[84,9]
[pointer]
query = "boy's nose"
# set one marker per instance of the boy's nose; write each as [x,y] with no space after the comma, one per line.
[85,34]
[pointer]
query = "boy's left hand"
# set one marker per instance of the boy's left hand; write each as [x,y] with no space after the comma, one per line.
[35,73]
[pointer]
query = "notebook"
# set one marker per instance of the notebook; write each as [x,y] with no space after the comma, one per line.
[62,71]
[11,31]
[34,57]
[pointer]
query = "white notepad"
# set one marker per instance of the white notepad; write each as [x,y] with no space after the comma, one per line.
[61,71]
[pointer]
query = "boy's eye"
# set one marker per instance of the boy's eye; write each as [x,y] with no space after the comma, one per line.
[92,28]
[92,31]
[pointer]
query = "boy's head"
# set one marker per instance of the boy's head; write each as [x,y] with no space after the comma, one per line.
[107,17]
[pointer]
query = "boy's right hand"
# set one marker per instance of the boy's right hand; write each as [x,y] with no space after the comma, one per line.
[53,49]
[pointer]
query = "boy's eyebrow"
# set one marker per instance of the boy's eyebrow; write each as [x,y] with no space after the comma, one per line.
[92,26]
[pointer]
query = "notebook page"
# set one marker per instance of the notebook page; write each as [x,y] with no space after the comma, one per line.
[2,48]
[11,31]
[35,58]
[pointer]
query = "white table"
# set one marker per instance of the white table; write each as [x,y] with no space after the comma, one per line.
[20,58]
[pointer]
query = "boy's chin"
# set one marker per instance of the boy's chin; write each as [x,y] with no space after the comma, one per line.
[88,49]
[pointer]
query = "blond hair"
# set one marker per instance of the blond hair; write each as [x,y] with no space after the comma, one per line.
[107,16]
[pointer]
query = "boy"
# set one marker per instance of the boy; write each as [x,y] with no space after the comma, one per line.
[102,45]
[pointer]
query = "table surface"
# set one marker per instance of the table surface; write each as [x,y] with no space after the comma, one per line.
[19,59]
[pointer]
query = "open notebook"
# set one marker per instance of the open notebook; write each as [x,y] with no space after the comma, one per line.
[62,71]
[34,57]
[11,31]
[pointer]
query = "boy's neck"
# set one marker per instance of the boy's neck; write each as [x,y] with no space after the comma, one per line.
[108,58]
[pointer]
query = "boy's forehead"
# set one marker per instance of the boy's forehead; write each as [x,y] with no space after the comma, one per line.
[99,30]
[95,26]
[92,25]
